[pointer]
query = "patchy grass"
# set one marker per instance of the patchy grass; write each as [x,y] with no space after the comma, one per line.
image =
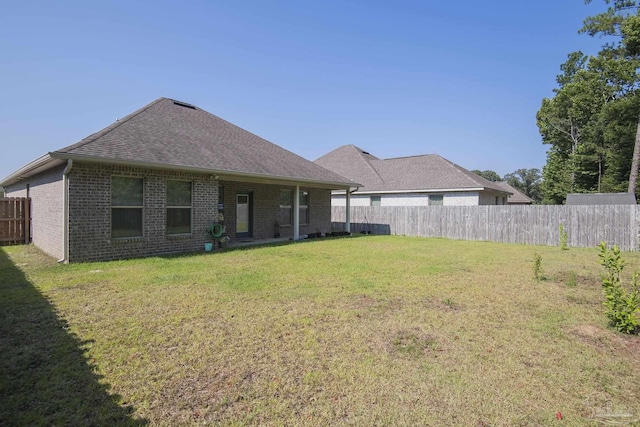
[374,330]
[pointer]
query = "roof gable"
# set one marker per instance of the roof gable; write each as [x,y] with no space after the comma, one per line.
[353,163]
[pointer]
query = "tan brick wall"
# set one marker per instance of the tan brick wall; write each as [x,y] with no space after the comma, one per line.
[90,213]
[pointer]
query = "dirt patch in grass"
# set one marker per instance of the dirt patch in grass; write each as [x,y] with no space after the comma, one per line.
[413,342]
[571,278]
[607,339]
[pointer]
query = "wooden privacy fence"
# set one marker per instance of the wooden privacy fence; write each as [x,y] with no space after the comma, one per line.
[15,219]
[586,226]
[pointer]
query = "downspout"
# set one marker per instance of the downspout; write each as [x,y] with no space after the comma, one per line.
[65,212]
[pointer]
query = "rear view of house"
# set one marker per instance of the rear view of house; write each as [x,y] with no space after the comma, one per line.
[427,180]
[154,182]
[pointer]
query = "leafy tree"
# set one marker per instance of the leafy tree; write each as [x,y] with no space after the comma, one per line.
[592,122]
[526,181]
[488,175]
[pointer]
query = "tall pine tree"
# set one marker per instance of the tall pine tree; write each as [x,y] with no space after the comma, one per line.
[591,121]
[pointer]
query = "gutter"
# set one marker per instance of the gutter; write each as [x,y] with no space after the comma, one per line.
[41,163]
[65,212]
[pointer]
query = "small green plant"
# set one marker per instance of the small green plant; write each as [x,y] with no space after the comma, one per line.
[448,301]
[622,305]
[537,267]
[564,238]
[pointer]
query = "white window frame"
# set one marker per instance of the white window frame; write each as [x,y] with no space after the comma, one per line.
[289,207]
[112,207]
[304,219]
[167,207]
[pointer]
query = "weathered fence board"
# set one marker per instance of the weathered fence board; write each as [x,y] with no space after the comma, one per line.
[586,226]
[14,220]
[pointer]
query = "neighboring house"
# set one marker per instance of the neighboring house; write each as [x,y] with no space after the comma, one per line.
[154,181]
[601,199]
[516,197]
[426,180]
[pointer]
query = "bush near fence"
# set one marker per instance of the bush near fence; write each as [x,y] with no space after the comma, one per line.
[586,226]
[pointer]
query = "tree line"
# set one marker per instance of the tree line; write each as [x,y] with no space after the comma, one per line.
[592,122]
[527,181]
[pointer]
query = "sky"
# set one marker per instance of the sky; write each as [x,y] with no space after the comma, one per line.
[460,79]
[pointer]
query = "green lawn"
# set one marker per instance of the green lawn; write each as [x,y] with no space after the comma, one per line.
[374,330]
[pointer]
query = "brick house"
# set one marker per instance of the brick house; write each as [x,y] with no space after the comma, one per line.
[425,180]
[154,182]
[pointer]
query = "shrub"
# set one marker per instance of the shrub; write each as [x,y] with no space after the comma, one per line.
[622,305]
[564,238]
[537,267]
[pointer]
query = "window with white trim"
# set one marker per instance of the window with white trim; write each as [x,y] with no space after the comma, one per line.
[285,216]
[375,200]
[127,204]
[179,207]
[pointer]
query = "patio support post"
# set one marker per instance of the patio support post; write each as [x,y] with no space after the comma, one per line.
[347,223]
[296,214]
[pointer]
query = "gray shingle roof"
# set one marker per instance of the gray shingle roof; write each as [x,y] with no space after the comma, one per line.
[173,133]
[517,197]
[601,199]
[421,173]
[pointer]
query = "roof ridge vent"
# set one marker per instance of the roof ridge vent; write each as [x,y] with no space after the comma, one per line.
[184,104]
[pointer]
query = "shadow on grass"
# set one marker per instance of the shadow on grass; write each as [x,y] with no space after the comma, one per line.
[45,377]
